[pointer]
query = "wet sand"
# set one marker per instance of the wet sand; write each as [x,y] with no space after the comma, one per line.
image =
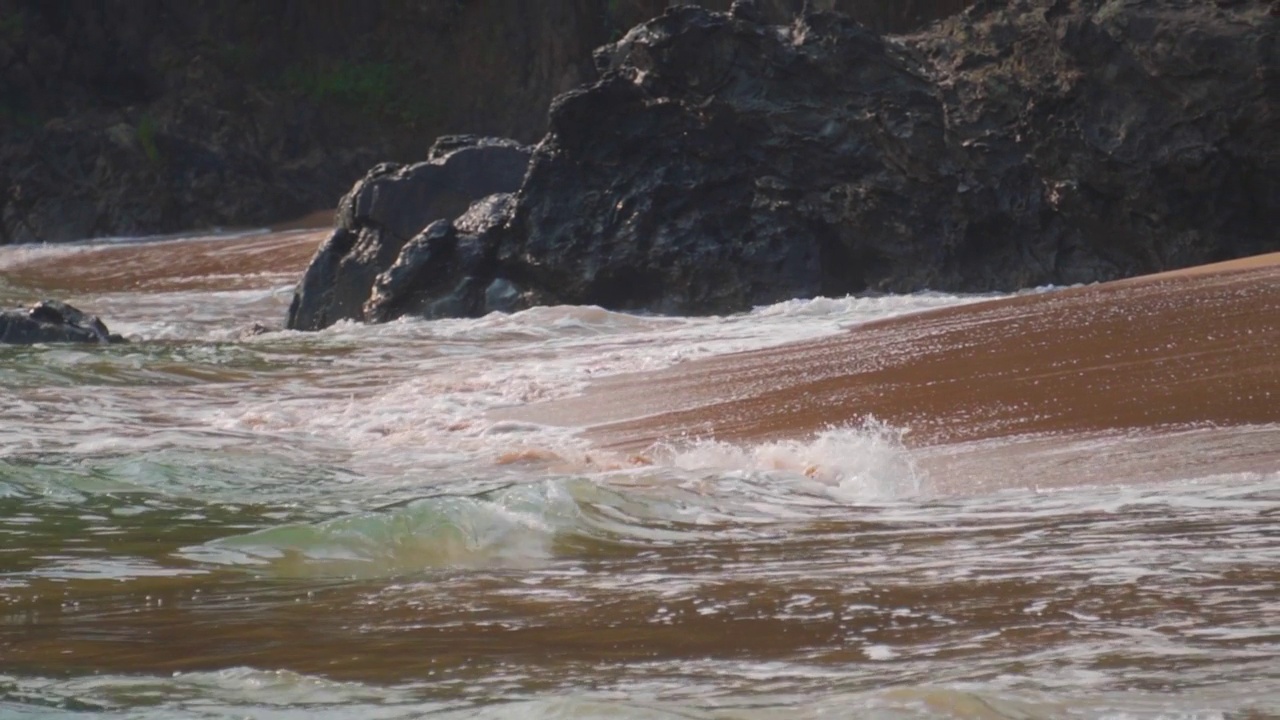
[1143,359]
[232,262]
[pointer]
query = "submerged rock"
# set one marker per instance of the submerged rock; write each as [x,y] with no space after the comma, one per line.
[51,321]
[722,162]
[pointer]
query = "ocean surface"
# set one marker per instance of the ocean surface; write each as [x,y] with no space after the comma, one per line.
[219,520]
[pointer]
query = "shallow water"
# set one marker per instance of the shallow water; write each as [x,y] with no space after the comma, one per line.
[352,524]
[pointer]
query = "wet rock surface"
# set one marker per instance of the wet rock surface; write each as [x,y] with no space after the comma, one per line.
[395,249]
[52,321]
[723,162]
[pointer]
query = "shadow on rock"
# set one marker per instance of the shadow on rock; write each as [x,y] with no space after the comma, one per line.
[409,238]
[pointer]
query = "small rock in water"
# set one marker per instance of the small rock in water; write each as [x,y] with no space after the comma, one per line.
[253,330]
[53,321]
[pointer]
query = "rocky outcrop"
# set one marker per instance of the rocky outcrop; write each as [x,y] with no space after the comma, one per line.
[722,161]
[129,117]
[51,321]
[388,252]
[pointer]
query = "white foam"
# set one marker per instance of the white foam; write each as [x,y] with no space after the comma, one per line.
[393,391]
[850,464]
[403,402]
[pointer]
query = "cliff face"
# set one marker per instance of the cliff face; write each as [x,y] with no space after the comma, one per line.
[148,116]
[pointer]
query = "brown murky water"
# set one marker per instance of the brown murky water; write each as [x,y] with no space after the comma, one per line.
[1066,506]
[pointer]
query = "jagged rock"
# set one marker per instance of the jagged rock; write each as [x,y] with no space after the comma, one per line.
[388,233]
[1043,142]
[723,178]
[438,272]
[51,321]
[722,162]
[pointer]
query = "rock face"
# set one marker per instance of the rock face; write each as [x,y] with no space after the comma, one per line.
[388,251]
[884,16]
[722,161]
[51,321]
[126,117]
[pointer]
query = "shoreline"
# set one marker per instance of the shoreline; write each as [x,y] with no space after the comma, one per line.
[199,261]
[1179,348]
[984,393]
[1151,355]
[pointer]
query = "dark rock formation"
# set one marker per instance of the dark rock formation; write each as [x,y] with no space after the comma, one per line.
[882,16]
[127,117]
[388,244]
[722,162]
[51,321]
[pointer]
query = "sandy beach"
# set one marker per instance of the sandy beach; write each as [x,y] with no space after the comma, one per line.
[1144,358]
[249,259]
